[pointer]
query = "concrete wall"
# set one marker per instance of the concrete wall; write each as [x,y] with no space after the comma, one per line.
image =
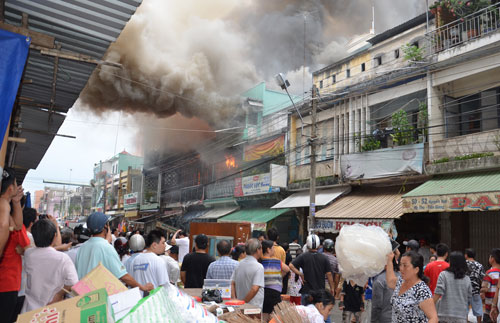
[385,49]
[486,141]
[303,172]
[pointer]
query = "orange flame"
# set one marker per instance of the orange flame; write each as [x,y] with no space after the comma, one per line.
[230,163]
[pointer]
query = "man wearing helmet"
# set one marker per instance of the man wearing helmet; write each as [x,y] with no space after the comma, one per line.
[315,267]
[82,235]
[137,245]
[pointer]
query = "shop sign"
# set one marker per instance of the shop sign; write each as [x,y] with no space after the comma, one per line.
[130,201]
[254,185]
[131,214]
[453,203]
[149,206]
[259,226]
[334,225]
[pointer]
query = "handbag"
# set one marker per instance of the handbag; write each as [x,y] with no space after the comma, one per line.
[211,295]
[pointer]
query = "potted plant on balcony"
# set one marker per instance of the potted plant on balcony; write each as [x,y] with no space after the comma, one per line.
[402,129]
[433,8]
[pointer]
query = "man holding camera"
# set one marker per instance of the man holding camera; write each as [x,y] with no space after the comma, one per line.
[98,249]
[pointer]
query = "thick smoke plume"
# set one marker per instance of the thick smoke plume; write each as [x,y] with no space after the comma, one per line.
[194,57]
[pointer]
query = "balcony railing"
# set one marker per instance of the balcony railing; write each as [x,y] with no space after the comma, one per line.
[220,189]
[473,26]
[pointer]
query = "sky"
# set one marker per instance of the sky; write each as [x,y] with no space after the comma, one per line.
[72,160]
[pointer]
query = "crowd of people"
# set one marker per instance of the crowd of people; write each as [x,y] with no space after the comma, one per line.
[40,262]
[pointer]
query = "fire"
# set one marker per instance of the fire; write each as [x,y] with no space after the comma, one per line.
[230,163]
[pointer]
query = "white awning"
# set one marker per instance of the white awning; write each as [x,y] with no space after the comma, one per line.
[323,197]
[218,212]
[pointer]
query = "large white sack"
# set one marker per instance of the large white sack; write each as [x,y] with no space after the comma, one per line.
[361,252]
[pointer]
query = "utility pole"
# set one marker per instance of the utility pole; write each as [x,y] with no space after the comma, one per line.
[312,142]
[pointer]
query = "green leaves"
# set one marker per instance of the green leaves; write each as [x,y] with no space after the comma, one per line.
[412,53]
[403,130]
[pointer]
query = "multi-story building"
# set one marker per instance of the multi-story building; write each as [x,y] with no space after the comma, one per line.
[229,179]
[409,107]
[113,180]
[38,199]
[52,201]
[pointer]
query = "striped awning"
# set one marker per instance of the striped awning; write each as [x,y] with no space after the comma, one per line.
[366,203]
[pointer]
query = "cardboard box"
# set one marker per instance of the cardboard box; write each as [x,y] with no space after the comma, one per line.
[91,307]
[98,278]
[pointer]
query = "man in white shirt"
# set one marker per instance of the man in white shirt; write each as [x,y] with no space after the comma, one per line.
[148,266]
[172,261]
[49,272]
[181,239]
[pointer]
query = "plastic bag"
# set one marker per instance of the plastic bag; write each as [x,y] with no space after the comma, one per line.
[361,252]
[169,305]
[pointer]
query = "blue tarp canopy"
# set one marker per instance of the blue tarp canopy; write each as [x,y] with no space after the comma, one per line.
[13,52]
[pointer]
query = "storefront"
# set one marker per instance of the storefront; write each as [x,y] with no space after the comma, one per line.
[264,218]
[377,206]
[467,207]
[300,202]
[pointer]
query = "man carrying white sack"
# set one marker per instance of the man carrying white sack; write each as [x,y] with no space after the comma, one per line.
[315,267]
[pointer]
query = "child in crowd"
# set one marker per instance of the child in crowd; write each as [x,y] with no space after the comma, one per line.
[294,286]
[351,301]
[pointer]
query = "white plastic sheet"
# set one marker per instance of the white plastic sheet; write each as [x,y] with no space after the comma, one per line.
[361,252]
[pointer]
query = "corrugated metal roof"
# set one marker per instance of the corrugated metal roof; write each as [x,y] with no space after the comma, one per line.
[366,203]
[259,215]
[79,26]
[458,184]
[217,212]
[323,197]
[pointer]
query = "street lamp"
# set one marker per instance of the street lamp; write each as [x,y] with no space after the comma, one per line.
[284,84]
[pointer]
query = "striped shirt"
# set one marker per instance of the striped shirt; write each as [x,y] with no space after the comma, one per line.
[272,274]
[293,247]
[491,280]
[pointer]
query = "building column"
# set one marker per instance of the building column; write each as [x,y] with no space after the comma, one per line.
[357,127]
[363,125]
[352,122]
[335,138]
[346,128]
[436,118]
[341,135]
[367,119]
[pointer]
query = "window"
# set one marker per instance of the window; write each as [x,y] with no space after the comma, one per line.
[396,53]
[348,73]
[378,61]
[363,67]
[333,79]
[253,118]
[415,44]
[320,84]
[472,113]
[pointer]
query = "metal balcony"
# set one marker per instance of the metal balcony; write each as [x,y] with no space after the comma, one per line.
[463,30]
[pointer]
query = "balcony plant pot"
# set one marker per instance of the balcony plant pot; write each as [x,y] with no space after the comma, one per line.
[471,33]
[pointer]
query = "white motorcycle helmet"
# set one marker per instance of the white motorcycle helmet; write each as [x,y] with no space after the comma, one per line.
[312,241]
[136,243]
